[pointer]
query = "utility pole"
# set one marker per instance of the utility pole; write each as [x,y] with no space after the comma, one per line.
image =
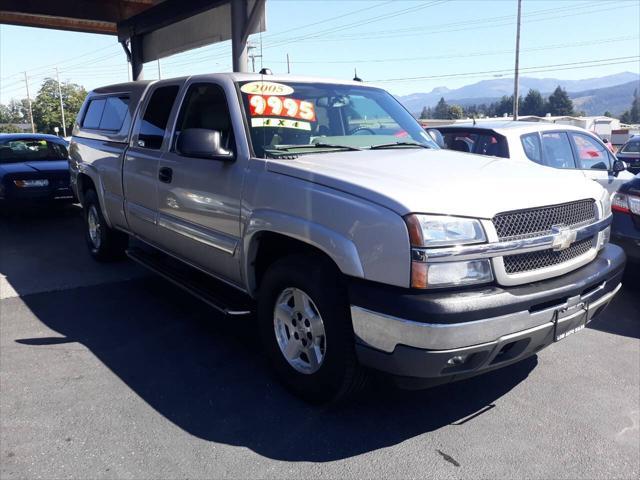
[517,72]
[159,72]
[252,56]
[288,66]
[26,83]
[64,125]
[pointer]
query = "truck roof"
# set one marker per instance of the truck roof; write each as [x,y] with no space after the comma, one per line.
[141,85]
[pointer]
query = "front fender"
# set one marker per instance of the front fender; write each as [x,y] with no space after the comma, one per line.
[338,247]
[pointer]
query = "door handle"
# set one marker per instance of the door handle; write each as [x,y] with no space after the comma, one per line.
[165,174]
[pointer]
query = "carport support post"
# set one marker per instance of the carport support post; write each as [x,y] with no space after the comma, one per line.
[136,58]
[238,37]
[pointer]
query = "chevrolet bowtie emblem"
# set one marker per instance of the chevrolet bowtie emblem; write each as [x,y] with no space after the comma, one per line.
[562,237]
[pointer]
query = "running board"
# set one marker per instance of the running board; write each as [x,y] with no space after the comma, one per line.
[218,295]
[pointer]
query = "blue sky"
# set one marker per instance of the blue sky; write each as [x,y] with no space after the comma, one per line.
[442,42]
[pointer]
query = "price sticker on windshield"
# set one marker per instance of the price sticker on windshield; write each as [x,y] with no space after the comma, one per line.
[275,106]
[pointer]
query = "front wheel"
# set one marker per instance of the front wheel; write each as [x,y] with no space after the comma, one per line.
[306,329]
[105,243]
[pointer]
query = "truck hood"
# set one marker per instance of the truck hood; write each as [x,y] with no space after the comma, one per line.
[439,181]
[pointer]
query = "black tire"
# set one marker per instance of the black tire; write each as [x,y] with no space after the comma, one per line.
[340,375]
[110,244]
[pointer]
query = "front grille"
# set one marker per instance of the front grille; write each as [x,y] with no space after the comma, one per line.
[525,262]
[536,222]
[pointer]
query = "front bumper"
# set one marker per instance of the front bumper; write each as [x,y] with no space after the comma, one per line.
[466,332]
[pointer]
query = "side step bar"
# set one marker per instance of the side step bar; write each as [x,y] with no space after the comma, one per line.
[218,295]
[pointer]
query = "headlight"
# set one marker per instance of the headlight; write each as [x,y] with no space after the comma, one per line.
[430,231]
[31,183]
[440,231]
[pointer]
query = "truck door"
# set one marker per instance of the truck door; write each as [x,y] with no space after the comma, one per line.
[140,170]
[199,198]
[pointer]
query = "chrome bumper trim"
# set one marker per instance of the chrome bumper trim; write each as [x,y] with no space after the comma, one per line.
[498,249]
[385,332]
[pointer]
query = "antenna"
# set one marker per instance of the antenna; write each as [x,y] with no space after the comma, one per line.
[356,78]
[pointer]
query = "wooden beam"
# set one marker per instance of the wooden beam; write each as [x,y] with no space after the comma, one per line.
[110,11]
[58,23]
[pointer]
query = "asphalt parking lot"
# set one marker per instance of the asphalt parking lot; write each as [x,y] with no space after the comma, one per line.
[109,372]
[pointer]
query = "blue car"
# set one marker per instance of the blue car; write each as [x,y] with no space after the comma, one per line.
[34,169]
[625,230]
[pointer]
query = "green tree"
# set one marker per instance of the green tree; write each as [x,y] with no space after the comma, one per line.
[633,114]
[559,102]
[455,112]
[17,111]
[609,114]
[427,112]
[442,110]
[533,104]
[46,107]
[9,128]
[505,105]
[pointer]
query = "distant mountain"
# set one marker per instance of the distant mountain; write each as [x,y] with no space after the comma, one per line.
[487,91]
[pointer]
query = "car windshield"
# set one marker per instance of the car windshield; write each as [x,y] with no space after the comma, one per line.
[30,150]
[303,118]
[631,147]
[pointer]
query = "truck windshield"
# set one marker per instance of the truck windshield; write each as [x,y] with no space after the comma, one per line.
[304,118]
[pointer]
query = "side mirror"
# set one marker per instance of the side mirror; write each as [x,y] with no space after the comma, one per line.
[202,143]
[617,167]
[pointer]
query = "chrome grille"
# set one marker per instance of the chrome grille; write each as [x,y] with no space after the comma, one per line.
[535,222]
[526,262]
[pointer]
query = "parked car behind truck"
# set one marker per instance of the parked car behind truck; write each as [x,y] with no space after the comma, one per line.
[355,247]
[563,147]
[34,170]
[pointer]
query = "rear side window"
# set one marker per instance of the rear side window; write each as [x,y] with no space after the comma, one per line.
[156,116]
[557,151]
[94,114]
[532,147]
[115,110]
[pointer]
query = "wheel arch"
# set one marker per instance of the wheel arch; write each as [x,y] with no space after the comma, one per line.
[271,235]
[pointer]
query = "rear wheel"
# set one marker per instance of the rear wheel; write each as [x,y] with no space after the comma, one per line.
[306,329]
[105,243]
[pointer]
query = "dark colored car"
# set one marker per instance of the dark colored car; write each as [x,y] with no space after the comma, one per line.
[625,230]
[630,153]
[34,169]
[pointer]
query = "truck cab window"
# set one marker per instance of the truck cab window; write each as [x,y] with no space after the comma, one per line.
[156,116]
[205,106]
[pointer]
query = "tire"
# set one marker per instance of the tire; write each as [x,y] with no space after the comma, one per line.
[105,244]
[335,375]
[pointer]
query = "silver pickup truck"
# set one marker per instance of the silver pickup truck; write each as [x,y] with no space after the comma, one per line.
[324,209]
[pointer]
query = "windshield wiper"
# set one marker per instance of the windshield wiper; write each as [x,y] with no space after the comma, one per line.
[398,144]
[315,145]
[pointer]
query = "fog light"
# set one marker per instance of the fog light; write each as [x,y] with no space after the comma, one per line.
[457,360]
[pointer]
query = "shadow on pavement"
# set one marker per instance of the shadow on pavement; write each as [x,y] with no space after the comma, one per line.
[622,316]
[43,249]
[206,374]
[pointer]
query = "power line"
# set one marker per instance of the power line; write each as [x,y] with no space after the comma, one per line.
[586,63]
[465,55]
